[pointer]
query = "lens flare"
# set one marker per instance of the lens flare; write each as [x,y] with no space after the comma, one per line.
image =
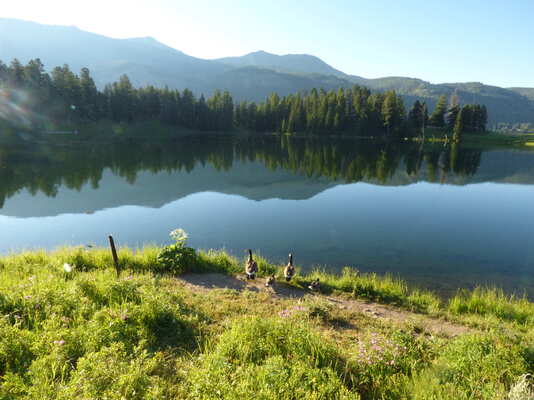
[15,108]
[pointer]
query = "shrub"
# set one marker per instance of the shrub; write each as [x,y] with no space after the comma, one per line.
[177,258]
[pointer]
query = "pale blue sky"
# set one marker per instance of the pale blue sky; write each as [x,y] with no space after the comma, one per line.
[490,41]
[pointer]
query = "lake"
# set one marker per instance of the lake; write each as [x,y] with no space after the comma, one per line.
[441,217]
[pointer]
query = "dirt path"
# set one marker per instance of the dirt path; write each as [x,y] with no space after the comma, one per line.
[392,314]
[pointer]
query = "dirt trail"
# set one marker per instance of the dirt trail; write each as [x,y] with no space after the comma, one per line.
[432,325]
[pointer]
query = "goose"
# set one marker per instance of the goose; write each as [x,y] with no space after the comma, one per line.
[289,270]
[270,281]
[314,286]
[251,267]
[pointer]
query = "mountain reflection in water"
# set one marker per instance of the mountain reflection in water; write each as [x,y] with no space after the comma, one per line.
[440,216]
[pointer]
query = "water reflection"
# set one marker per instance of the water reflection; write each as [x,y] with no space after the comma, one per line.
[437,215]
[43,168]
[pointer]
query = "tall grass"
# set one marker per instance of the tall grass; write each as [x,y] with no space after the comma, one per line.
[269,358]
[493,302]
[381,289]
[82,332]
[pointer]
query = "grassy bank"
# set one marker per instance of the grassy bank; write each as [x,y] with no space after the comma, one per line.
[70,328]
[500,139]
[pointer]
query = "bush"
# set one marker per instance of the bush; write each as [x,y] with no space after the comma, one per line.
[177,258]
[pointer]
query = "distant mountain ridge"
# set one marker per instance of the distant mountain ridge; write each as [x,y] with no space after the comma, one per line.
[292,63]
[250,77]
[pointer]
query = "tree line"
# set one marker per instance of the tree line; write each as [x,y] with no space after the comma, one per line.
[37,99]
[344,159]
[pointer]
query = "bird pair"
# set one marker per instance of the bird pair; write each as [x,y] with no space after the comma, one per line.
[251,268]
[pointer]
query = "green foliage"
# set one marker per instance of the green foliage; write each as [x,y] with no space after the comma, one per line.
[493,302]
[382,289]
[437,118]
[49,325]
[275,378]
[15,349]
[177,258]
[382,364]
[65,99]
[269,358]
[115,373]
[472,367]
[88,334]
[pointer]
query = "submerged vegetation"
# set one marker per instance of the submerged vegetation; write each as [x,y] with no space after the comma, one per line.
[83,332]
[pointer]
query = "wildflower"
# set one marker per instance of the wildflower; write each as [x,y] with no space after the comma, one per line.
[27,297]
[284,313]
[179,235]
[67,267]
[59,342]
[31,278]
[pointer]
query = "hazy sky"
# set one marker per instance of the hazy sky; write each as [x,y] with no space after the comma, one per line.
[491,41]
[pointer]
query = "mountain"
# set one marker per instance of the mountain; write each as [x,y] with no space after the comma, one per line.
[527,92]
[249,180]
[256,83]
[250,77]
[145,60]
[293,63]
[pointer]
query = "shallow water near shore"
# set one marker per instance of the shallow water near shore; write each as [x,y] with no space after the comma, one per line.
[441,217]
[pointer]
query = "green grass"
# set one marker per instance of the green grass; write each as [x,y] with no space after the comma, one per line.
[381,289]
[499,139]
[89,334]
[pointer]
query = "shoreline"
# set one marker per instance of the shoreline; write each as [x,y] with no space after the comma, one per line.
[194,328]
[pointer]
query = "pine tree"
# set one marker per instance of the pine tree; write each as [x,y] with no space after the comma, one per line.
[437,118]
[417,117]
[458,126]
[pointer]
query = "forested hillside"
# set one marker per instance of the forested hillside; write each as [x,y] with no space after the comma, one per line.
[36,100]
[252,77]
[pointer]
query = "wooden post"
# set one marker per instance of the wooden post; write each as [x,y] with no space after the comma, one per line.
[114,254]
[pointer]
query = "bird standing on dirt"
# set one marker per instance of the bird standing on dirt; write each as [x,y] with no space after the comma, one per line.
[314,286]
[269,281]
[251,267]
[289,270]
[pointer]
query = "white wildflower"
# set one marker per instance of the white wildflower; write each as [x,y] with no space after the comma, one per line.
[67,267]
[522,390]
[179,235]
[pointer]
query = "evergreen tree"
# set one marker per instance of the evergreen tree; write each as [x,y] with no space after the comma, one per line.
[458,126]
[437,118]
[417,117]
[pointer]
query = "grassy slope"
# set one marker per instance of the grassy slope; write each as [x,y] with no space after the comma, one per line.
[148,335]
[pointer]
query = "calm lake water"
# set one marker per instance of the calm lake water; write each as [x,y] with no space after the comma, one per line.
[440,217]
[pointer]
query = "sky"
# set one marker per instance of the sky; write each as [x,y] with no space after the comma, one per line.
[489,41]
